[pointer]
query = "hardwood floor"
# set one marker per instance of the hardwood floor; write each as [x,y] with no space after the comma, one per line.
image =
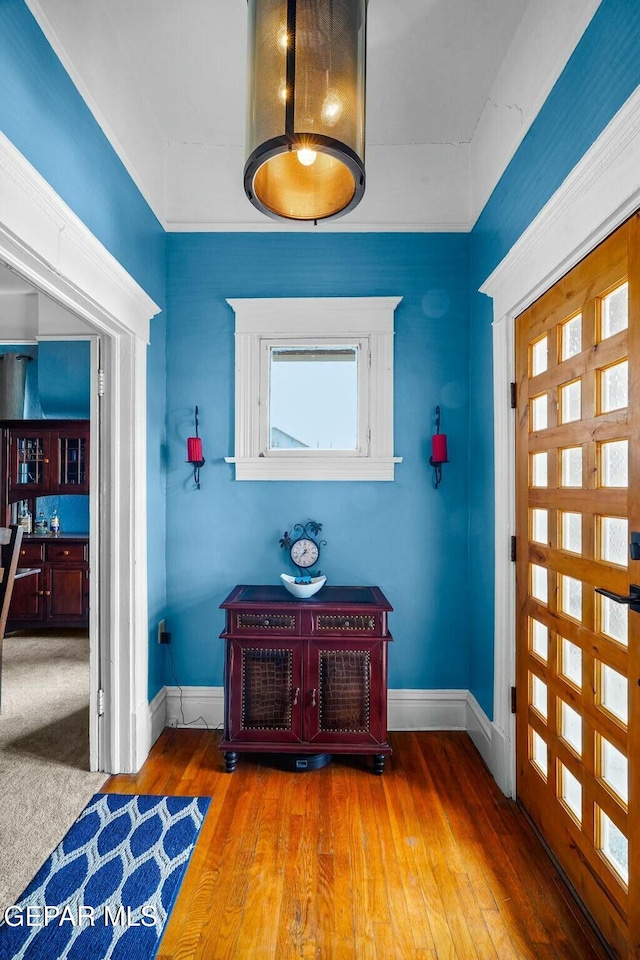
[428,861]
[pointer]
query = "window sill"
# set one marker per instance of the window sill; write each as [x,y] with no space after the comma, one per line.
[318,468]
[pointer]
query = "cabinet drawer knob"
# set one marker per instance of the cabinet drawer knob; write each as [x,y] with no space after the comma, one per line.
[296,694]
[39,593]
[46,460]
[65,553]
[47,593]
[23,553]
[313,697]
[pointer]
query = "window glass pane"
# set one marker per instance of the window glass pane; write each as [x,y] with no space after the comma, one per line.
[614,692]
[572,532]
[539,588]
[539,356]
[571,662]
[614,620]
[614,385]
[571,467]
[539,634]
[539,470]
[539,407]
[540,526]
[538,752]
[571,726]
[614,845]
[614,536]
[571,337]
[538,695]
[614,469]
[571,597]
[570,402]
[570,791]
[313,398]
[614,768]
[615,309]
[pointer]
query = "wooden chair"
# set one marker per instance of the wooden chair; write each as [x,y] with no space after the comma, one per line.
[10,540]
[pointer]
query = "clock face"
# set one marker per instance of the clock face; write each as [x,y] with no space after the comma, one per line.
[304,552]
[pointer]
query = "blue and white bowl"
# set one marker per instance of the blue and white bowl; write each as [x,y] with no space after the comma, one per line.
[303,590]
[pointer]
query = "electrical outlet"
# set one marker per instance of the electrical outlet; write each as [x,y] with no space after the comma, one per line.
[162,628]
[172,722]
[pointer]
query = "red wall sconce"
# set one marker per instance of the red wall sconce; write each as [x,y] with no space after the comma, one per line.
[438,451]
[194,453]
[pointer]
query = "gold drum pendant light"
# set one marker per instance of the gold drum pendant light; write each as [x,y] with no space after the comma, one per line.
[306,107]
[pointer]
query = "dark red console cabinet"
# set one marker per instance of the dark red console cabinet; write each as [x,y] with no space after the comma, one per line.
[306,676]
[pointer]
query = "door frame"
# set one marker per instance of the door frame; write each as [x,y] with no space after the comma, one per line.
[47,244]
[599,194]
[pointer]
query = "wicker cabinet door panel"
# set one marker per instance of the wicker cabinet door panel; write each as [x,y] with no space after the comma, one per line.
[344,692]
[265,692]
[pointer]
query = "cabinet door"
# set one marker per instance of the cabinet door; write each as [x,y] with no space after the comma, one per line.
[346,692]
[66,593]
[264,691]
[29,462]
[27,599]
[72,459]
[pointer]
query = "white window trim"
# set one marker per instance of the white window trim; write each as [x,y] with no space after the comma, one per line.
[295,320]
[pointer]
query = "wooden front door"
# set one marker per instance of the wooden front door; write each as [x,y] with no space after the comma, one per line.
[578,511]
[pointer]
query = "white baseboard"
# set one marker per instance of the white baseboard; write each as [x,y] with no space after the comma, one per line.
[426,709]
[480,729]
[157,715]
[196,707]
[201,707]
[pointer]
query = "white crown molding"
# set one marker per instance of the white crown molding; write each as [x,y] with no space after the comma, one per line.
[43,21]
[50,232]
[348,226]
[601,192]
[541,48]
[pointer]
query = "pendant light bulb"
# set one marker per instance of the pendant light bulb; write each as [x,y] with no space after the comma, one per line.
[307,156]
[332,108]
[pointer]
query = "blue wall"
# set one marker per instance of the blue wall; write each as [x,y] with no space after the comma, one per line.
[601,74]
[405,536]
[45,117]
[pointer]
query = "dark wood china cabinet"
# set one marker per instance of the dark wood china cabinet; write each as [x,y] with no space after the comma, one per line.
[42,458]
[306,676]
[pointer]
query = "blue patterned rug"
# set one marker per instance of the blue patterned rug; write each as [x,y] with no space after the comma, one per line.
[106,891]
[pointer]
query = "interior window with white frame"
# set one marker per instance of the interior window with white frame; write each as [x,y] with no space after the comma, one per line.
[314,389]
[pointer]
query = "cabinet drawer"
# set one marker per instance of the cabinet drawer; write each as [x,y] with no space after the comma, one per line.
[348,624]
[30,552]
[267,621]
[66,552]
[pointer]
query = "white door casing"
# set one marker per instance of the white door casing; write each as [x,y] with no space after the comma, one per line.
[45,242]
[600,193]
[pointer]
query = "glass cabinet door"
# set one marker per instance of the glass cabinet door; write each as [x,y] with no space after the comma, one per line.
[72,463]
[30,462]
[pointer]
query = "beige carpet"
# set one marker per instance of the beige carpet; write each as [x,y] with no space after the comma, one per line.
[44,750]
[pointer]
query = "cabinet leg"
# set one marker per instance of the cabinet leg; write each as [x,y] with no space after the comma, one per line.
[230,760]
[378,763]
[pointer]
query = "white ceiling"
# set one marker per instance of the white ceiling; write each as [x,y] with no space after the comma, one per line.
[452,87]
